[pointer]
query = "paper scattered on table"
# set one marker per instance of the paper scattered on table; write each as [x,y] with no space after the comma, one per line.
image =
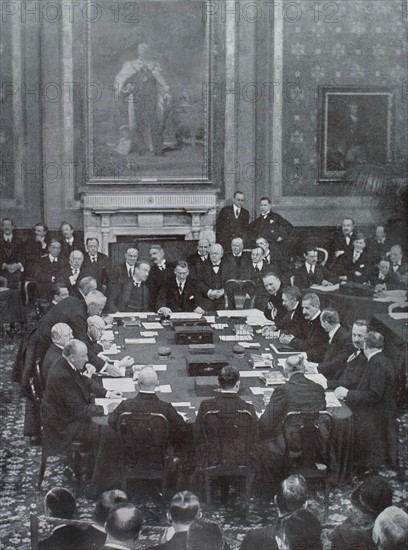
[184,415]
[140,340]
[185,315]
[261,360]
[259,391]
[148,333]
[165,388]
[238,312]
[181,404]
[331,400]
[252,345]
[235,338]
[272,378]
[275,350]
[119,384]
[311,368]
[328,288]
[392,296]
[152,326]
[104,402]
[318,378]
[249,373]
[209,318]
[130,314]
[219,326]
[157,368]
[107,336]
[113,350]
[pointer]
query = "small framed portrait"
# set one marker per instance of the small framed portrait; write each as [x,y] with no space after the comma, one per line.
[356,127]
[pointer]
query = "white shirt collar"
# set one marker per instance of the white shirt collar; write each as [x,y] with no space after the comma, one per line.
[315,316]
[333,332]
[376,352]
[144,391]
[117,545]
[71,365]
[52,258]
[310,268]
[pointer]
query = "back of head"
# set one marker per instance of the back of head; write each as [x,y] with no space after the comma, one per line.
[390,530]
[330,316]
[300,530]
[106,503]
[148,379]
[184,507]
[292,494]
[312,298]
[374,340]
[294,363]
[124,522]
[61,503]
[87,284]
[228,377]
[204,534]
[95,302]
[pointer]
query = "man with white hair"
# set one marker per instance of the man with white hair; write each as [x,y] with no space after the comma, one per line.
[61,333]
[119,274]
[197,260]
[213,278]
[74,272]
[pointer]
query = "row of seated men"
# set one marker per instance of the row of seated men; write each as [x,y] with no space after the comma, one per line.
[117,523]
[354,364]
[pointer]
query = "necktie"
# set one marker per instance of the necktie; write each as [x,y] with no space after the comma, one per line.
[75,271]
[180,287]
[236,213]
[93,259]
[353,356]
[348,240]
[130,272]
[356,257]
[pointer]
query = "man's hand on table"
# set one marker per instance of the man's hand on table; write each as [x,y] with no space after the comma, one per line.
[341,392]
[268,331]
[199,310]
[311,368]
[215,294]
[113,394]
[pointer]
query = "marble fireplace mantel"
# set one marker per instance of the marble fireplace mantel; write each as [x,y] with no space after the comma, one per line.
[110,215]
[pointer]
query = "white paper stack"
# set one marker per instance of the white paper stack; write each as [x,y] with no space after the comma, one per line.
[331,400]
[124,385]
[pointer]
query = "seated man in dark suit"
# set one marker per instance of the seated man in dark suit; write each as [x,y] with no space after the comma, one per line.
[197,259]
[147,401]
[339,346]
[255,273]
[205,534]
[272,254]
[275,310]
[60,503]
[117,276]
[351,370]
[293,321]
[314,340]
[352,266]
[34,249]
[343,239]
[299,530]
[61,333]
[74,272]
[136,294]
[213,278]
[310,273]
[58,293]
[373,403]
[379,245]
[382,277]
[123,526]
[96,264]
[48,270]
[399,265]
[291,495]
[67,409]
[297,394]
[184,508]
[11,254]
[178,293]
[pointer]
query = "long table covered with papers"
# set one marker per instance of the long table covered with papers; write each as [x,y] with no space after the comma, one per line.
[142,335]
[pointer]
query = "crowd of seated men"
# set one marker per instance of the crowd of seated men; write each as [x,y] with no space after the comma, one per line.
[373,522]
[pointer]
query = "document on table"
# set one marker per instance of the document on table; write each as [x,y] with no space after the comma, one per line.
[140,340]
[219,326]
[165,388]
[185,315]
[319,379]
[148,333]
[157,368]
[209,318]
[181,404]
[107,335]
[331,400]
[104,402]
[249,373]
[125,385]
[129,314]
[259,391]
[236,338]
[239,313]
[251,345]
[152,326]
[113,350]
[328,288]
[275,350]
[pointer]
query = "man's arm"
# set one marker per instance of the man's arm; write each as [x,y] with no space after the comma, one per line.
[273,415]
[69,395]
[374,391]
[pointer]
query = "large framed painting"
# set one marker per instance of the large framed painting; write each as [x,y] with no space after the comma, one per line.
[356,127]
[153,118]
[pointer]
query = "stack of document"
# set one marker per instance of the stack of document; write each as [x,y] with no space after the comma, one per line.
[261,360]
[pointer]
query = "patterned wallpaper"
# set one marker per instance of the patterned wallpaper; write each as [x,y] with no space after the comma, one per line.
[340,43]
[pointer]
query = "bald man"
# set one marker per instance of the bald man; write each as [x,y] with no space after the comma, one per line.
[197,260]
[74,272]
[61,333]
[147,401]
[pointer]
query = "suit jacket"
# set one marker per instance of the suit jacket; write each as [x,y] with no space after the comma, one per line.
[98,269]
[336,353]
[141,298]
[53,354]
[344,265]
[314,341]
[169,295]
[33,253]
[303,279]
[378,250]
[293,322]
[349,372]
[66,273]
[68,398]
[275,301]
[65,537]
[228,226]
[10,252]
[46,274]
[158,277]
[239,266]
[214,281]
[271,227]
[340,243]
[391,280]
[91,539]
[298,394]
[263,537]
[66,248]
[117,277]
[150,403]
[177,542]
[195,265]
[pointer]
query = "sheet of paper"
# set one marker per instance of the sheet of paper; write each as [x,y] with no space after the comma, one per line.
[130,314]
[249,373]
[181,404]
[165,388]
[140,340]
[113,350]
[331,400]
[219,326]
[209,318]
[185,315]
[318,378]
[249,345]
[235,338]
[148,333]
[119,384]
[157,368]
[152,325]
[239,313]
[104,402]
[108,336]
[259,391]
[329,288]
[275,350]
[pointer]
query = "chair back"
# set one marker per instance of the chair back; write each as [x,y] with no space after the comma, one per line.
[239,293]
[308,435]
[144,437]
[228,439]
[322,255]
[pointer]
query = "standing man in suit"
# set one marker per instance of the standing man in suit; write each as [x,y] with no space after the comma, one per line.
[34,250]
[118,275]
[379,245]
[161,270]
[272,226]
[96,263]
[310,273]
[70,241]
[232,221]
[211,285]
[197,260]
[179,293]
[339,346]
[67,409]
[343,239]
[297,394]
[48,270]
[315,339]
[373,403]
[11,265]
[136,294]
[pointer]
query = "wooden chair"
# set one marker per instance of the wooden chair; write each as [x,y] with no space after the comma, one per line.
[239,294]
[229,444]
[146,453]
[322,255]
[307,444]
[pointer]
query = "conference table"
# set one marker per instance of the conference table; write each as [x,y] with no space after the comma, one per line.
[176,386]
